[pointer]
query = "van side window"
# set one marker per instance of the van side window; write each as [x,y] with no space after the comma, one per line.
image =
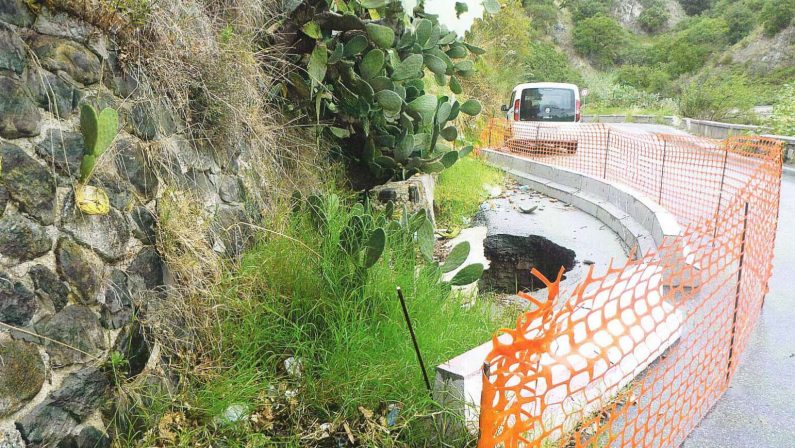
[510,102]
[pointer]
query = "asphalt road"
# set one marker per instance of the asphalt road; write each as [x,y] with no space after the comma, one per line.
[758,410]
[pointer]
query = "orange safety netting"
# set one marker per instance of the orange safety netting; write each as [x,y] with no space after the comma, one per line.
[636,355]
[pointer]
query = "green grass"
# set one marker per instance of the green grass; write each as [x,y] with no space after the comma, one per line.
[296,293]
[459,191]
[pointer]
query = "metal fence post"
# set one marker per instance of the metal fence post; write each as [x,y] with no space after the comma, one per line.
[607,150]
[737,293]
[720,192]
[662,170]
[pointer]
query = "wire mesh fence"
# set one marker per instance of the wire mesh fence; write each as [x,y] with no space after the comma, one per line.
[636,355]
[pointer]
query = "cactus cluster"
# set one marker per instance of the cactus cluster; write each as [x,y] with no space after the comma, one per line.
[365,235]
[98,130]
[419,228]
[365,84]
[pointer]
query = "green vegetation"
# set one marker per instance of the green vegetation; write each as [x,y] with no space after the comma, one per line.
[654,17]
[713,97]
[303,338]
[365,80]
[514,40]
[600,38]
[660,68]
[98,130]
[777,15]
[783,120]
[460,191]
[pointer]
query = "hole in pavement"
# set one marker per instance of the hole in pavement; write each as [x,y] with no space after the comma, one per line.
[513,256]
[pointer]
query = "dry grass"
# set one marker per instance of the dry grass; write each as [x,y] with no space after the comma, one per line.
[207,63]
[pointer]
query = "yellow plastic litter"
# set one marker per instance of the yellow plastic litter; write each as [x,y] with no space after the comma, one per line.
[92,200]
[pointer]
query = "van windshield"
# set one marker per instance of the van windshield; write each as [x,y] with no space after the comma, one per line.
[547,104]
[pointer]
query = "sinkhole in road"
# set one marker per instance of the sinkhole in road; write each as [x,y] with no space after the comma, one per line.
[512,257]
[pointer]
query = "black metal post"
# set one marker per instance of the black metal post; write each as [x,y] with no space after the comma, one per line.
[737,293]
[413,338]
[607,150]
[662,170]
[720,192]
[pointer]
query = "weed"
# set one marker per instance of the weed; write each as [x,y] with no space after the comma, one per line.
[296,293]
[460,190]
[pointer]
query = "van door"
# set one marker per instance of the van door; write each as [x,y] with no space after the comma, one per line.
[511,104]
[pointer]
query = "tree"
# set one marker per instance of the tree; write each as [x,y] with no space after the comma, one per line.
[695,7]
[777,15]
[599,38]
[654,18]
[740,19]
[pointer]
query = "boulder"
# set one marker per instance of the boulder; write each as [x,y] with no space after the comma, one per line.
[144,225]
[58,94]
[12,50]
[63,150]
[132,165]
[61,24]
[76,326]
[16,13]
[21,375]
[51,422]
[230,190]
[28,183]
[17,303]
[146,270]
[19,116]
[56,54]
[107,235]
[80,268]
[48,286]
[22,239]
[151,120]
[10,437]
[117,310]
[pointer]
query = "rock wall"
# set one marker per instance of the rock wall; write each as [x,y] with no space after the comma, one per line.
[72,285]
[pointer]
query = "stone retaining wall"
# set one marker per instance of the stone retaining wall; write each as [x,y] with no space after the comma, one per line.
[71,285]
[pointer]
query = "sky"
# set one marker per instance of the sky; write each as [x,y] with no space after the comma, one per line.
[445,9]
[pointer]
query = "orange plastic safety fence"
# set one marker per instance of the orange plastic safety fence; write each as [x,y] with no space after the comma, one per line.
[636,355]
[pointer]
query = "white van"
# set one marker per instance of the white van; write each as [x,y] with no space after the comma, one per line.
[545,101]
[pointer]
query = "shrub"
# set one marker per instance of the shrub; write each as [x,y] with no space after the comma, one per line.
[741,21]
[649,79]
[546,63]
[544,14]
[777,15]
[716,96]
[365,83]
[654,18]
[599,38]
[688,49]
[782,122]
[695,7]
[585,9]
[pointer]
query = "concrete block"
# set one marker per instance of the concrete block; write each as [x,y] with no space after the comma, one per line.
[595,187]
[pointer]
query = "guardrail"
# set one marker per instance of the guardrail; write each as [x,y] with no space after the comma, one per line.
[638,354]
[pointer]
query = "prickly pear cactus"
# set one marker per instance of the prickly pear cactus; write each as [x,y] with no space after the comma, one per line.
[99,130]
[365,82]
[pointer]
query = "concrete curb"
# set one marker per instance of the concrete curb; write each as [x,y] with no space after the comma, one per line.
[789,171]
[638,220]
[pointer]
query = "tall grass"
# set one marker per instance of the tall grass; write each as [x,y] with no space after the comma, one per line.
[460,190]
[297,294]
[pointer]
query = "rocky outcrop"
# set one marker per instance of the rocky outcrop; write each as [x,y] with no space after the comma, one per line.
[73,284]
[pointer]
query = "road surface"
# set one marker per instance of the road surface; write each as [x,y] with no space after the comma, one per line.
[758,410]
